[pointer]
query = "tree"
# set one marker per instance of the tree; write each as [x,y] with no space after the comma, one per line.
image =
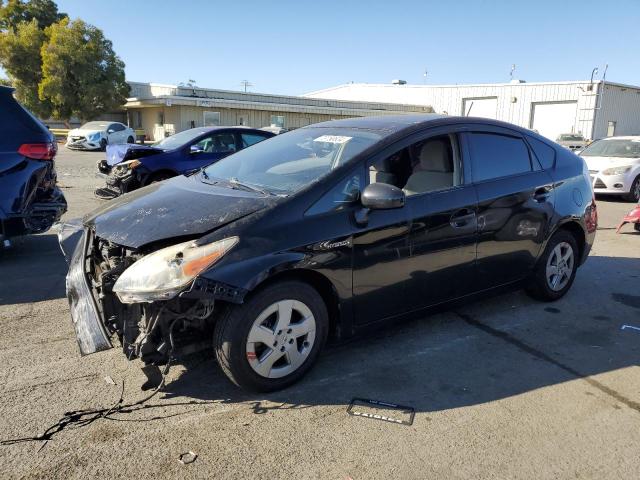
[15,12]
[81,74]
[5,82]
[20,57]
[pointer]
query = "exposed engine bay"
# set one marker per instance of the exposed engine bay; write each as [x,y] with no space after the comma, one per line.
[145,330]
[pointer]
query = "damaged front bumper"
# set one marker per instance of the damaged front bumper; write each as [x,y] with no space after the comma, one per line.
[118,181]
[90,331]
[142,329]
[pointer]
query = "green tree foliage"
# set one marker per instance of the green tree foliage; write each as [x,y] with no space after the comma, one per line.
[20,57]
[15,12]
[59,68]
[5,82]
[82,76]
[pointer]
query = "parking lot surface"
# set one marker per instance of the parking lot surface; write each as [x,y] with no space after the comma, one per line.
[506,387]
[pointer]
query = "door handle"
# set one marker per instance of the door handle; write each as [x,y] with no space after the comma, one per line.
[462,218]
[542,193]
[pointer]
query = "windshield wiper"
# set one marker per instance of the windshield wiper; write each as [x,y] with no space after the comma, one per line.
[249,187]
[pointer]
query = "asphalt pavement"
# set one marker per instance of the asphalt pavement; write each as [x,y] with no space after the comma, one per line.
[506,387]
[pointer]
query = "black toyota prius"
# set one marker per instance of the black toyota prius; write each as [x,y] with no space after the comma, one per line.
[321,233]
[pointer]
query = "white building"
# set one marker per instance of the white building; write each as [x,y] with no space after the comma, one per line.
[162,110]
[596,110]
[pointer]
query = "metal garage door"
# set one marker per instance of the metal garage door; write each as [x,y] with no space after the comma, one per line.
[486,107]
[553,118]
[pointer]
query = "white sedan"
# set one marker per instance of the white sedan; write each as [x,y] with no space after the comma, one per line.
[97,135]
[614,166]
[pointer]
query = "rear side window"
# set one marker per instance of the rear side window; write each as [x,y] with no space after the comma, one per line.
[117,127]
[546,155]
[249,139]
[17,124]
[495,156]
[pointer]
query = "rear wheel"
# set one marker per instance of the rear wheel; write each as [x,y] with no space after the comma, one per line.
[556,269]
[130,140]
[634,193]
[270,341]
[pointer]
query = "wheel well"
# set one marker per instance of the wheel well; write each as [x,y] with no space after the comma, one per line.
[578,233]
[320,283]
[159,173]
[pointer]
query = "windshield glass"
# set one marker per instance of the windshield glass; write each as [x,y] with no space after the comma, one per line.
[179,139]
[95,125]
[570,138]
[291,161]
[613,148]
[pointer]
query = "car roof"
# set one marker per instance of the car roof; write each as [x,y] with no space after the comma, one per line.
[389,125]
[627,137]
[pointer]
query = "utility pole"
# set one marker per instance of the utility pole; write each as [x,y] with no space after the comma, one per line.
[245,84]
[513,69]
[424,80]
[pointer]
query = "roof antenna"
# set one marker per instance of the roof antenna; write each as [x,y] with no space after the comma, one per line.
[513,69]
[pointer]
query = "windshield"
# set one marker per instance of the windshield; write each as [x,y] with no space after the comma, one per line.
[95,125]
[570,138]
[291,161]
[179,139]
[613,148]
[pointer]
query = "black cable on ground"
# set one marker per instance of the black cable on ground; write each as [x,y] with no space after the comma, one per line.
[82,418]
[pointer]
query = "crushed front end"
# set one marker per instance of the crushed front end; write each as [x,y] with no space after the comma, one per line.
[149,330]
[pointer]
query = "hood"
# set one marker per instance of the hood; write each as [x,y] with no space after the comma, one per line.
[120,152]
[600,163]
[179,207]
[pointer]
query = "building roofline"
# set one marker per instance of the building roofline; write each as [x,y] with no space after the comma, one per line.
[464,85]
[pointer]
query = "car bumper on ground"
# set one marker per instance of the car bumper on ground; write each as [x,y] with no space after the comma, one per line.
[610,184]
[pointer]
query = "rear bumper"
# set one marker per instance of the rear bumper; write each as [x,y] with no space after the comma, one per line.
[86,318]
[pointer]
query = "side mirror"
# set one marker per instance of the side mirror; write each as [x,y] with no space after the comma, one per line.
[382,196]
[195,149]
[111,130]
[379,196]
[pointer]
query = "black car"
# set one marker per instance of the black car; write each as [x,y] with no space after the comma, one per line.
[325,231]
[128,167]
[30,201]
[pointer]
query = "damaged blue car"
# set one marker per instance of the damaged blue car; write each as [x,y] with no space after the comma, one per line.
[129,167]
[30,201]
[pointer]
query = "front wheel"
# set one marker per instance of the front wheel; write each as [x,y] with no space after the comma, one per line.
[103,144]
[556,269]
[634,193]
[271,340]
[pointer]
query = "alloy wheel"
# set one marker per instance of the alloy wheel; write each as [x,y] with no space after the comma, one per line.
[560,266]
[281,339]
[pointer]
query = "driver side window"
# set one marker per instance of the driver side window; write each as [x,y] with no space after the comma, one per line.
[426,166]
[218,143]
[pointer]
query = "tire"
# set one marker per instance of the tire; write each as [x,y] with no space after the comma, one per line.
[541,285]
[634,193]
[636,227]
[256,366]
[130,140]
[103,145]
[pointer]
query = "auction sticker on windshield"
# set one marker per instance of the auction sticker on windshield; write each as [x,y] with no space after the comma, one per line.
[333,139]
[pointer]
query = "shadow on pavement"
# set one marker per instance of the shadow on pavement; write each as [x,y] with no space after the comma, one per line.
[33,270]
[476,353]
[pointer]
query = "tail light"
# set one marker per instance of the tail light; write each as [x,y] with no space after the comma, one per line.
[39,151]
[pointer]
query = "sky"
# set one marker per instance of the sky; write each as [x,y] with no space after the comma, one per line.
[294,47]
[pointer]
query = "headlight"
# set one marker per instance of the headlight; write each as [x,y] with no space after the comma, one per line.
[616,170]
[124,167]
[162,274]
[94,137]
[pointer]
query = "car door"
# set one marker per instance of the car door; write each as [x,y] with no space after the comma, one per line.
[424,252]
[515,204]
[442,205]
[115,132]
[209,149]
